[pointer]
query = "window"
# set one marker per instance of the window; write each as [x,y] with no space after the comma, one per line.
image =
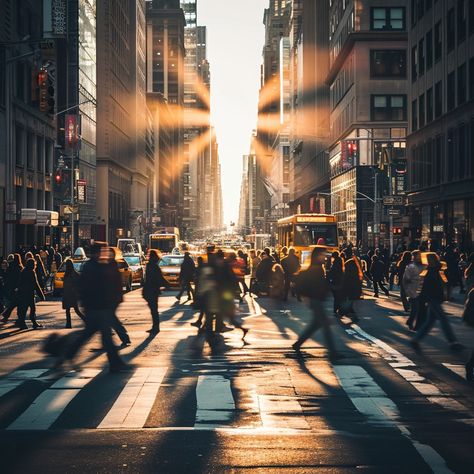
[421,104]
[450,30]
[429,105]
[438,42]
[421,57]
[429,50]
[391,18]
[388,63]
[461,20]
[462,84]
[414,63]
[471,78]
[438,99]
[414,115]
[388,107]
[450,91]
[450,154]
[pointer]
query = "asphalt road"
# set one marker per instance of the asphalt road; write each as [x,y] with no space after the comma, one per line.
[193,405]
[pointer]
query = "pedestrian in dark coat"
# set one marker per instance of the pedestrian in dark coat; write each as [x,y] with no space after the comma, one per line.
[377,270]
[11,285]
[291,266]
[27,287]
[313,284]
[335,277]
[71,292]
[264,272]
[40,271]
[402,265]
[352,285]
[154,281]
[186,276]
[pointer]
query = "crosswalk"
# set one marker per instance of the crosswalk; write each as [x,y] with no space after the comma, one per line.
[219,399]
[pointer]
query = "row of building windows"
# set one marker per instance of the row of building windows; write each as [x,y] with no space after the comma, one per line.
[443,159]
[428,51]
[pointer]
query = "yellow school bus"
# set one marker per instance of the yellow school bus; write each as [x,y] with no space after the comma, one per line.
[304,231]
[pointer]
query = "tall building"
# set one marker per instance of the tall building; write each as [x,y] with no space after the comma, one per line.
[27,133]
[165,95]
[368,116]
[309,65]
[125,168]
[440,144]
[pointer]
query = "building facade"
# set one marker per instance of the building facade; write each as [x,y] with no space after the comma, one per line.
[440,143]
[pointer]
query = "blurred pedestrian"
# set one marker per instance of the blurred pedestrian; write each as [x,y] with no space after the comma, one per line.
[199,299]
[70,298]
[412,282]
[264,273]
[154,281]
[277,282]
[377,270]
[351,286]
[28,286]
[186,276]
[254,262]
[14,270]
[432,293]
[312,283]
[40,271]
[3,278]
[468,318]
[402,264]
[291,267]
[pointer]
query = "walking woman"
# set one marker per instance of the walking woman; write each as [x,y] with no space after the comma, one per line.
[402,265]
[12,279]
[27,287]
[336,279]
[432,294]
[71,292]
[377,270]
[40,271]
[154,281]
[352,285]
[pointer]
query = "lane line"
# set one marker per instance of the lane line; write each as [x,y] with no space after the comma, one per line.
[15,379]
[370,400]
[405,368]
[133,406]
[49,405]
[215,402]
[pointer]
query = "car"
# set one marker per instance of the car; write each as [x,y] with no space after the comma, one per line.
[171,266]
[58,277]
[137,263]
[124,269]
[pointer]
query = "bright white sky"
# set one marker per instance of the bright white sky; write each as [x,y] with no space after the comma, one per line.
[235,38]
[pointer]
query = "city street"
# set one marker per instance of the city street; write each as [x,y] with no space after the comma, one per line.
[191,405]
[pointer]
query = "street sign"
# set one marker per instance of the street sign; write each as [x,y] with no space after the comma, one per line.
[393,200]
[68,209]
[81,191]
[394,212]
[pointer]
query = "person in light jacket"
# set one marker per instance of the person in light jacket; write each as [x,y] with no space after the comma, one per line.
[412,282]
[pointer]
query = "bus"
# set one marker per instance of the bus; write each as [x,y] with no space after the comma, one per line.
[304,231]
[165,240]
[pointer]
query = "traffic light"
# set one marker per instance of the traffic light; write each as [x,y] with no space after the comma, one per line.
[58,177]
[46,92]
[397,231]
[353,152]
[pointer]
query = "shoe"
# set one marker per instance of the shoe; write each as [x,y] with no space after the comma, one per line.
[376,295]
[178,298]
[37,325]
[196,324]
[456,346]
[296,347]
[117,369]
[469,372]
[22,326]
[245,331]
[68,326]
[415,345]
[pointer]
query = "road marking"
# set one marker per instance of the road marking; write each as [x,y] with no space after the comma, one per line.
[280,412]
[370,400]
[399,363]
[132,407]
[215,402]
[15,379]
[457,369]
[48,406]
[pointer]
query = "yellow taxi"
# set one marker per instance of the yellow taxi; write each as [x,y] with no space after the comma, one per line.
[123,268]
[137,264]
[171,267]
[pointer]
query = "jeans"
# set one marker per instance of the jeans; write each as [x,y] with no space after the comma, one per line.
[155,316]
[97,320]
[320,320]
[436,311]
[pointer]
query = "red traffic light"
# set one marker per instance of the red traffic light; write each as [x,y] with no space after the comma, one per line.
[42,77]
[58,177]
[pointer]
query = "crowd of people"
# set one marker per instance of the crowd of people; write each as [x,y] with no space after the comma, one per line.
[220,279]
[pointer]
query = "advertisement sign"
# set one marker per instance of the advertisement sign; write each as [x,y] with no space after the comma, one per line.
[81,191]
[72,131]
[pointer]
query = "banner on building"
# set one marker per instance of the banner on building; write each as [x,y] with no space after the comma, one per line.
[54,18]
[81,191]
[72,131]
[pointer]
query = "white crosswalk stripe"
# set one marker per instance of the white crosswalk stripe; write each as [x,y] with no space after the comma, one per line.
[47,408]
[16,378]
[132,407]
[457,369]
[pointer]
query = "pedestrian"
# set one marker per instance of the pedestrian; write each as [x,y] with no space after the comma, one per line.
[154,281]
[40,271]
[351,286]
[392,271]
[462,265]
[402,264]
[254,262]
[313,284]
[432,294]
[469,274]
[336,279]
[186,276]
[264,272]
[277,282]
[96,293]
[113,274]
[242,262]
[3,279]
[291,267]
[452,269]
[412,282]
[70,297]
[12,280]
[28,286]
[199,299]
[468,318]
[377,270]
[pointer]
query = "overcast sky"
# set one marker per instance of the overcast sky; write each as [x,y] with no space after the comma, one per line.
[235,37]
